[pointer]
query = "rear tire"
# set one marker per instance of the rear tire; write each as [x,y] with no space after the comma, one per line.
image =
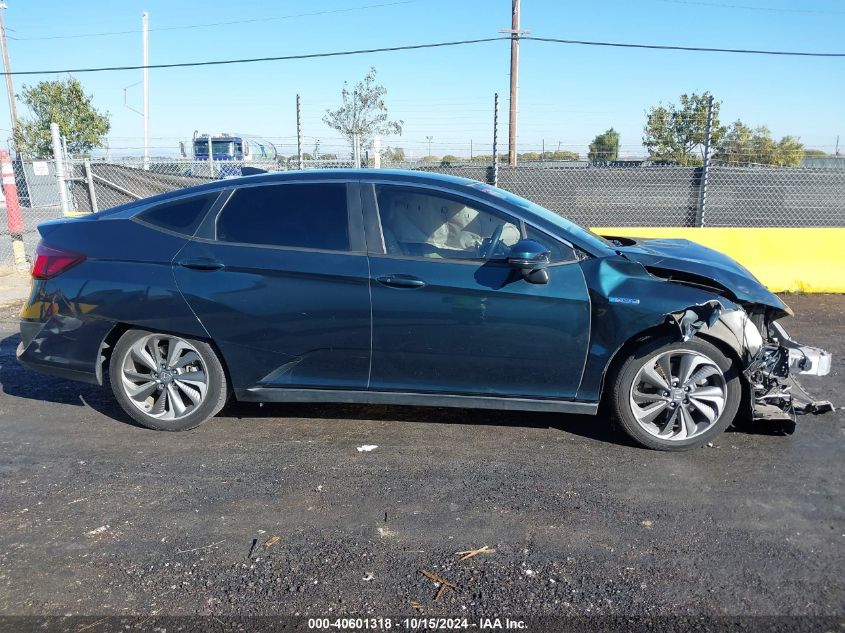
[675,396]
[166,382]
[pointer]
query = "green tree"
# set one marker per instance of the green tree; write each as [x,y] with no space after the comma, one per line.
[65,103]
[450,158]
[605,146]
[743,145]
[561,154]
[362,112]
[393,155]
[677,131]
[814,153]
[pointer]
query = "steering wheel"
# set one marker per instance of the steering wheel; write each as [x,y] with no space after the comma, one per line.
[490,248]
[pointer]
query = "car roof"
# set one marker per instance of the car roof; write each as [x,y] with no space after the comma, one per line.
[399,175]
[408,175]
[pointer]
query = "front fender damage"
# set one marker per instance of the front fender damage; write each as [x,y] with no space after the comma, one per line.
[770,358]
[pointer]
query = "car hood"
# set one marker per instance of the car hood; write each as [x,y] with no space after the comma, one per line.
[688,257]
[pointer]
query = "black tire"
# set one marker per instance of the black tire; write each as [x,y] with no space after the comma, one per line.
[621,385]
[214,397]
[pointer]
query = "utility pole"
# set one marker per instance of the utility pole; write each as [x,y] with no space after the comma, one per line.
[146,50]
[429,139]
[515,32]
[10,89]
[470,149]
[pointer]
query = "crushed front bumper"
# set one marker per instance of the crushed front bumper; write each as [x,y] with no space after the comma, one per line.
[802,359]
[776,392]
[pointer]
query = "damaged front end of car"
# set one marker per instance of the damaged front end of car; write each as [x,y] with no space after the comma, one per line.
[770,358]
[742,314]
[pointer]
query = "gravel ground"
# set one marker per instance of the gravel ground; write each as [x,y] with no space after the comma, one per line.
[273,510]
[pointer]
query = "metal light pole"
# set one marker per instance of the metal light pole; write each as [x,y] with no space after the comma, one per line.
[59,158]
[429,139]
[299,159]
[705,169]
[146,49]
[496,140]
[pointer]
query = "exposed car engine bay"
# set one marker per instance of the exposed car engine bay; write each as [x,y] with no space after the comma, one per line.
[771,358]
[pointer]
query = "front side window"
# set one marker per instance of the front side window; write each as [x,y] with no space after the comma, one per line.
[558,251]
[294,216]
[419,223]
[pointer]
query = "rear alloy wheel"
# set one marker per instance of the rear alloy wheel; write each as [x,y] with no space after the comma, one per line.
[166,382]
[676,396]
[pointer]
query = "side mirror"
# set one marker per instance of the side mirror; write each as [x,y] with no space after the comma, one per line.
[531,259]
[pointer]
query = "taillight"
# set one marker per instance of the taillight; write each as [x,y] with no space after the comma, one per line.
[50,261]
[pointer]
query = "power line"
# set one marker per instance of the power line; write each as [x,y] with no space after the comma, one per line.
[250,60]
[700,49]
[719,5]
[212,24]
[386,49]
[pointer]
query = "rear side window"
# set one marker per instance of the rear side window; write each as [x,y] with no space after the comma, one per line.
[182,216]
[295,216]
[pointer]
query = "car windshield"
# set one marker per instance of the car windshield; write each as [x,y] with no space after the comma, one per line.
[217,147]
[571,228]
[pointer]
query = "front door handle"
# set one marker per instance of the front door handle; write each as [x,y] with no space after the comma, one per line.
[400,281]
[202,263]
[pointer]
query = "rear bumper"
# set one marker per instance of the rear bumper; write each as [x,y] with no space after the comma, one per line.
[57,368]
[66,347]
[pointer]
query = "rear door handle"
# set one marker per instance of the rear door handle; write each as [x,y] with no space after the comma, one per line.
[400,281]
[202,263]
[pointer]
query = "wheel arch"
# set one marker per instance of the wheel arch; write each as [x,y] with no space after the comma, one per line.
[120,328]
[669,331]
[663,330]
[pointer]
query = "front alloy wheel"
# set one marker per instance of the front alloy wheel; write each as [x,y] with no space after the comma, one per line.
[678,395]
[675,395]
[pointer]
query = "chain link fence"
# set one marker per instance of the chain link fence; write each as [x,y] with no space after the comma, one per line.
[636,194]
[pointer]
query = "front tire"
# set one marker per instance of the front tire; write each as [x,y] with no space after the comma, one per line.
[166,382]
[675,396]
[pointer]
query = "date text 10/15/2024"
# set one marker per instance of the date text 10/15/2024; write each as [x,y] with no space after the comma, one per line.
[415,624]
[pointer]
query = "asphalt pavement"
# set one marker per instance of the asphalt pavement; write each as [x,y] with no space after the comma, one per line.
[324,510]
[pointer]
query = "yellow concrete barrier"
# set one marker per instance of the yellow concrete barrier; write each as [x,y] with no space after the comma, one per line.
[783,259]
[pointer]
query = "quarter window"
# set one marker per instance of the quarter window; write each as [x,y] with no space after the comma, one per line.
[182,216]
[295,216]
[417,223]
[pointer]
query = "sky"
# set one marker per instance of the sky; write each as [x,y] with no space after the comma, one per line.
[567,93]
